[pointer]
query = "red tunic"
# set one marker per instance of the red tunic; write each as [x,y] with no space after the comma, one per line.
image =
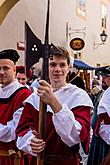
[54,144]
[7,108]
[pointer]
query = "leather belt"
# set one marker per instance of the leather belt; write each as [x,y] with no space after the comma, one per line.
[12,154]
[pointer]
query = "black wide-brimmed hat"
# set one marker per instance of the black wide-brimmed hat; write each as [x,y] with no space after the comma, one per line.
[105,72]
[9,54]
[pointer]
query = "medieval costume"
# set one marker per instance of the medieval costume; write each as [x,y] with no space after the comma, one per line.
[100,142]
[12,95]
[64,129]
[99,148]
[11,105]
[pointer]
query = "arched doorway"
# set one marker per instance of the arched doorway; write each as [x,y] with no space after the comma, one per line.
[5,7]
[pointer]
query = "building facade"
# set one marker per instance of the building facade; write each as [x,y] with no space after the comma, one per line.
[69,19]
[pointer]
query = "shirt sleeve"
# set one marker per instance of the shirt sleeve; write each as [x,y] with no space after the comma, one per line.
[7,132]
[66,126]
[104,114]
[104,132]
[23,142]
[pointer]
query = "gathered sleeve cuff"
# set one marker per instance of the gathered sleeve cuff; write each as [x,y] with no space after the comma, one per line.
[23,142]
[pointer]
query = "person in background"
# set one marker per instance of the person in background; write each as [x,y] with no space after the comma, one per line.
[73,77]
[33,77]
[12,95]
[35,83]
[103,128]
[98,147]
[68,116]
[96,87]
[77,80]
[23,75]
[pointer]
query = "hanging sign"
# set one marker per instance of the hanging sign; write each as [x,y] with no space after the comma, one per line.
[77,44]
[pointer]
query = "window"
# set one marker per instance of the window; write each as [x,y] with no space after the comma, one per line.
[103,15]
[81,8]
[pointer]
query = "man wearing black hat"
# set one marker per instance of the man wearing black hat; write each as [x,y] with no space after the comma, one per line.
[105,78]
[99,148]
[12,95]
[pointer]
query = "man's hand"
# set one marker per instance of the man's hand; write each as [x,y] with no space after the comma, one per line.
[45,91]
[37,145]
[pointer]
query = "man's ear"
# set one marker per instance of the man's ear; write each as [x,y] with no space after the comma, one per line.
[70,68]
[14,68]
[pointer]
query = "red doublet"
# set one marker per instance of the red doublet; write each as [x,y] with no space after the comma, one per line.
[54,144]
[7,108]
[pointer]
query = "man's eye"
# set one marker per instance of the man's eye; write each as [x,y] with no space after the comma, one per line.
[52,64]
[5,68]
[21,78]
[62,65]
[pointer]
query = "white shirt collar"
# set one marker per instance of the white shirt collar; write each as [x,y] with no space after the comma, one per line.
[7,91]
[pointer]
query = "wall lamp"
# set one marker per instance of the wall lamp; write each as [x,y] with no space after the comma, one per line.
[103,37]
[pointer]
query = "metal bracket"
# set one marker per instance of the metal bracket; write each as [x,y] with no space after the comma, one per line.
[70,31]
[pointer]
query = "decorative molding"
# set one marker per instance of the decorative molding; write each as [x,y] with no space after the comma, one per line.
[5,7]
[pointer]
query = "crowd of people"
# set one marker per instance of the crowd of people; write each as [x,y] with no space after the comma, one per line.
[72,118]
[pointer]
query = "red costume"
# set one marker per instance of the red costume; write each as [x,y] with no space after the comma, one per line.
[57,152]
[11,105]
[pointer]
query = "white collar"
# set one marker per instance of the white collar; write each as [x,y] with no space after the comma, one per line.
[7,91]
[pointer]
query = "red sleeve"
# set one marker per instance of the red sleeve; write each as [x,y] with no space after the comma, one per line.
[29,119]
[102,117]
[20,97]
[82,115]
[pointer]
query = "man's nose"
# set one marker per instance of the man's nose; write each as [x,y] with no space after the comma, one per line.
[57,67]
[20,80]
[1,70]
